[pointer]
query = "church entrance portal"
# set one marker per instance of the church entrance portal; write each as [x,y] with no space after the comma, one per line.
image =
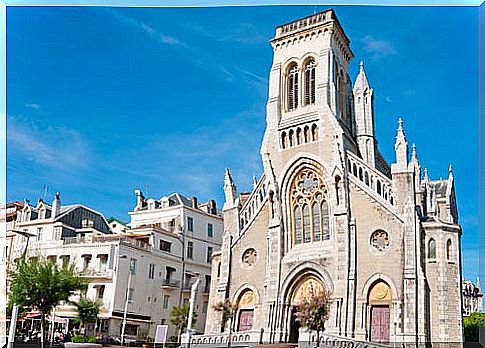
[294,327]
[304,288]
[380,301]
[380,318]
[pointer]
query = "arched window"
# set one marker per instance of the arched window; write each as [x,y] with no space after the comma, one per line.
[361,175]
[307,236]
[431,249]
[310,209]
[378,187]
[298,136]
[316,222]
[298,225]
[449,251]
[283,140]
[366,178]
[310,82]
[354,170]
[325,221]
[314,132]
[306,134]
[292,87]
[291,138]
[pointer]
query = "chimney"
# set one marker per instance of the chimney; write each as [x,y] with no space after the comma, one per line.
[194,203]
[213,207]
[56,205]
[140,200]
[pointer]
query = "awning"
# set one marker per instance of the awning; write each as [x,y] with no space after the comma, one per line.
[32,315]
[57,319]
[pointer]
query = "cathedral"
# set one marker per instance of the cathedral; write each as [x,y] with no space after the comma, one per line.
[330,214]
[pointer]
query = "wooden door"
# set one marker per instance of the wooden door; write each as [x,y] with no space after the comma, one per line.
[380,323]
[245,320]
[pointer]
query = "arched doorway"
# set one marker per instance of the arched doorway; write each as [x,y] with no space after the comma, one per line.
[245,314]
[380,300]
[305,288]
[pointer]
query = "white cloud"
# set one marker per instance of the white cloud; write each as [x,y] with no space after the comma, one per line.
[145,28]
[52,147]
[32,106]
[377,48]
[388,99]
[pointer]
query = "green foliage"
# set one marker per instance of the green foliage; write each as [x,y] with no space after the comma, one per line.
[78,339]
[313,311]
[228,310]
[37,284]
[179,317]
[87,310]
[91,339]
[172,342]
[472,324]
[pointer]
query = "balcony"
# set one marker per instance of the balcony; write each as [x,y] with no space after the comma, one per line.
[97,273]
[170,284]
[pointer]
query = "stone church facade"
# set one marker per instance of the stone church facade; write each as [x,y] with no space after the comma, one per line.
[330,214]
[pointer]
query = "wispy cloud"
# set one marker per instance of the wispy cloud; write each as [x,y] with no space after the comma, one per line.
[52,147]
[151,32]
[246,33]
[410,92]
[32,106]
[388,99]
[377,48]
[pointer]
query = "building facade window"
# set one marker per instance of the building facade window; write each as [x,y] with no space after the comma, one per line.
[131,294]
[133,266]
[100,292]
[190,250]
[309,207]
[39,234]
[210,250]
[103,261]
[431,249]
[449,251]
[292,87]
[86,223]
[310,82]
[57,233]
[165,246]
[166,301]
[190,224]
[210,230]
[151,271]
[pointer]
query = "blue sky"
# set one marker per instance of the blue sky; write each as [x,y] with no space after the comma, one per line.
[102,101]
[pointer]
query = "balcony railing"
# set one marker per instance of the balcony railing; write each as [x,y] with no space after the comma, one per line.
[97,273]
[170,283]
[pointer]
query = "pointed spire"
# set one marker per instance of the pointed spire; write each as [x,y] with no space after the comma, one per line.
[414,156]
[426,177]
[361,82]
[230,190]
[401,145]
[450,169]
[56,205]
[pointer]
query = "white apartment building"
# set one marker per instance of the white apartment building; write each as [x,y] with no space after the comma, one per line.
[105,253]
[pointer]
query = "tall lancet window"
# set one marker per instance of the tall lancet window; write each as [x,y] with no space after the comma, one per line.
[309,208]
[293,87]
[310,82]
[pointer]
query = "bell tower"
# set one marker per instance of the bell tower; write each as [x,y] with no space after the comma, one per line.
[309,82]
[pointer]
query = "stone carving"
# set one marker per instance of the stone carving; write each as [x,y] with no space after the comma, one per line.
[247,299]
[307,288]
[380,294]
[249,257]
[379,240]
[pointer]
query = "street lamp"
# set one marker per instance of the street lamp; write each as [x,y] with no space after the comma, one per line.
[181,238]
[130,272]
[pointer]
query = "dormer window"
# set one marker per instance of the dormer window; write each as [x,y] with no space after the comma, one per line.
[87,223]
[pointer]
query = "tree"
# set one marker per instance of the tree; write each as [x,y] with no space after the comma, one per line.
[87,311]
[229,311]
[312,312]
[179,317]
[472,326]
[38,284]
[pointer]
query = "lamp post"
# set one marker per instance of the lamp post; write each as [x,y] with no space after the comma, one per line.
[181,239]
[123,327]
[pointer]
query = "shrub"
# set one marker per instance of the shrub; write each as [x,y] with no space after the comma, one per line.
[92,339]
[78,339]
